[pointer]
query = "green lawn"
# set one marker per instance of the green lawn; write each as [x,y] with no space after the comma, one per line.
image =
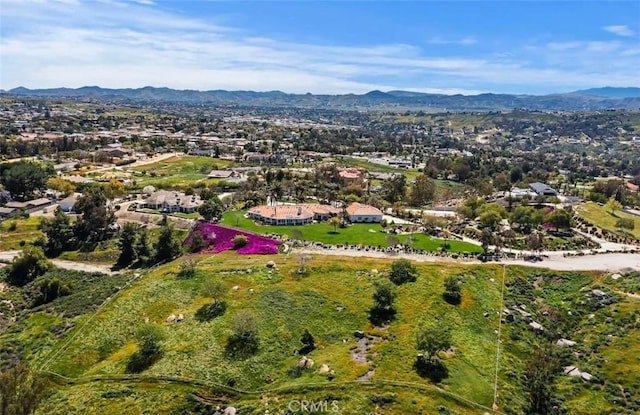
[355,234]
[600,217]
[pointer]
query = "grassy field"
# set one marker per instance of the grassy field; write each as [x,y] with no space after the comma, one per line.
[600,217]
[178,172]
[355,234]
[332,301]
[26,230]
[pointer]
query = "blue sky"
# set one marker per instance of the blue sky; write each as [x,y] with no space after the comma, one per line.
[321,47]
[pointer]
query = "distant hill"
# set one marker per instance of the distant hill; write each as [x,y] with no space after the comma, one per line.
[612,92]
[591,99]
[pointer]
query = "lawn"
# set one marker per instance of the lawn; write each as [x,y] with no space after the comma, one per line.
[599,216]
[355,234]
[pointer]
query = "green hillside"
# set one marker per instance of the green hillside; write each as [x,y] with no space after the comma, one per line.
[332,300]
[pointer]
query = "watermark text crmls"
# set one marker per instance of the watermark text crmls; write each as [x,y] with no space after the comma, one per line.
[311,406]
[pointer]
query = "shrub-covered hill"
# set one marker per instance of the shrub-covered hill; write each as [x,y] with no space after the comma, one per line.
[367,367]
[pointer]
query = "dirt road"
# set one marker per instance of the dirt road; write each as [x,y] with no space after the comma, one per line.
[7,256]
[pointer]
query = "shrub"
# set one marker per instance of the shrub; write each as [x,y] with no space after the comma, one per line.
[150,351]
[452,292]
[240,241]
[49,289]
[403,271]
[12,226]
[210,311]
[30,264]
[188,268]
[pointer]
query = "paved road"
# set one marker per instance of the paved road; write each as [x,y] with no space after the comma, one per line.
[7,256]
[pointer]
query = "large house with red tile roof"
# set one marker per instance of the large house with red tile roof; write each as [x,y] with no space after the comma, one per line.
[299,214]
[357,212]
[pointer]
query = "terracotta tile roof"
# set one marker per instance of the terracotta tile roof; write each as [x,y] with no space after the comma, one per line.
[299,211]
[358,209]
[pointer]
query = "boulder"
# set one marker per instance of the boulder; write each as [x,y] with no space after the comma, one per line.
[306,363]
[358,334]
[587,377]
[171,318]
[565,343]
[616,276]
[572,371]
[324,369]
[230,410]
[179,318]
[271,264]
[537,327]
[235,288]
[599,294]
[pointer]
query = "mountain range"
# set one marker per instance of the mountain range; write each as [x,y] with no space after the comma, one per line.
[589,99]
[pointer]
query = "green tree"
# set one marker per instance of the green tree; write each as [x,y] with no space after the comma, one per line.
[560,219]
[97,218]
[61,185]
[452,291]
[403,271]
[197,242]
[383,309]
[168,245]
[211,209]
[470,207]
[422,191]
[335,222]
[486,238]
[394,188]
[215,290]
[143,248]
[49,289]
[612,206]
[625,223]
[244,341]
[27,266]
[539,375]
[431,338]
[23,178]
[59,233]
[188,268]
[149,350]
[20,391]
[523,217]
[127,243]
[490,215]
[501,182]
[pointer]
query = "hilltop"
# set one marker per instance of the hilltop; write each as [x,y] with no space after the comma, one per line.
[593,99]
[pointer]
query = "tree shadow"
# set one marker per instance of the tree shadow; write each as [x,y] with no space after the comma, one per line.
[381,316]
[434,370]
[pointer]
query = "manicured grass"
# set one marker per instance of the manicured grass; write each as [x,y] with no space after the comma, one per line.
[26,230]
[599,216]
[355,234]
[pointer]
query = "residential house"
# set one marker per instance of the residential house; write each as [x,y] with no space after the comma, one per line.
[171,201]
[358,212]
[299,214]
[542,189]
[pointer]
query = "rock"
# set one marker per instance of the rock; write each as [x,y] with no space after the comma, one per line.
[492,279]
[591,316]
[146,320]
[171,318]
[249,270]
[271,264]
[565,342]
[230,410]
[616,276]
[572,371]
[537,327]
[324,369]
[358,334]
[524,313]
[235,288]
[599,294]
[306,363]
[251,290]
[587,377]
[523,307]
[486,314]
[339,308]
[179,318]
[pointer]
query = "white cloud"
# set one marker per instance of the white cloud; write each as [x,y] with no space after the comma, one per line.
[620,30]
[116,44]
[464,41]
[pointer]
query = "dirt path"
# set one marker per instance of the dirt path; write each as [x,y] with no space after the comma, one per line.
[614,262]
[7,256]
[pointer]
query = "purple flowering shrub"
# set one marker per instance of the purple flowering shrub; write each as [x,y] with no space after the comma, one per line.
[220,238]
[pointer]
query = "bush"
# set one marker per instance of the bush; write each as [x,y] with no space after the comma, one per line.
[210,311]
[403,271]
[30,264]
[150,350]
[49,289]
[452,292]
[240,241]
[12,226]
[188,269]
